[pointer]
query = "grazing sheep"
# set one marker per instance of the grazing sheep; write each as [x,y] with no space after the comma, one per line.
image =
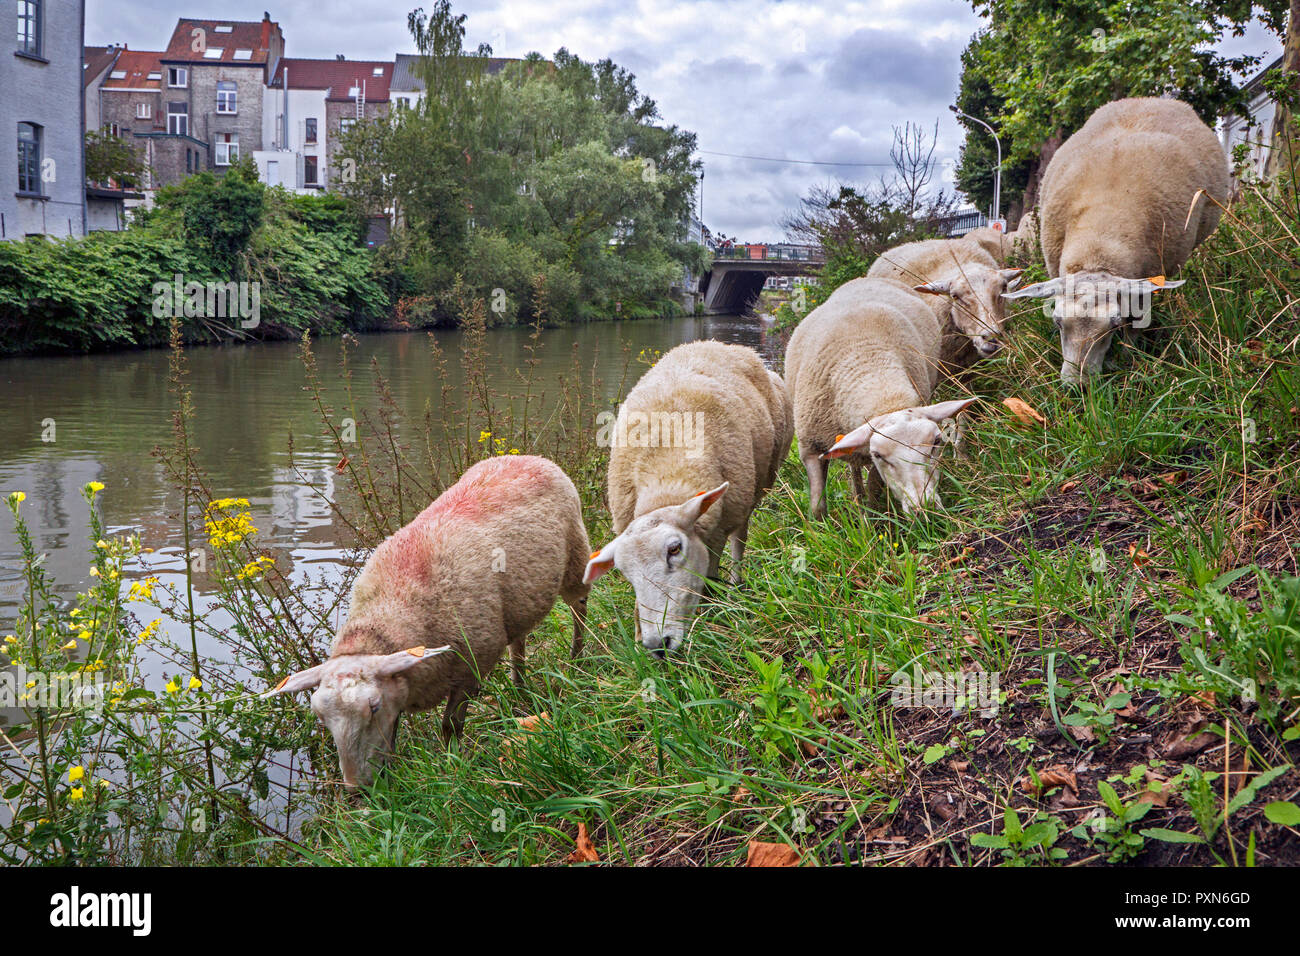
[860,368]
[733,426]
[1023,241]
[1121,209]
[966,286]
[440,600]
[993,241]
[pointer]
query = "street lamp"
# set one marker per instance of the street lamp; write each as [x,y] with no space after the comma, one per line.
[997,173]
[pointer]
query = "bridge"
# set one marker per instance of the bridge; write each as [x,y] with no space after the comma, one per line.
[736,277]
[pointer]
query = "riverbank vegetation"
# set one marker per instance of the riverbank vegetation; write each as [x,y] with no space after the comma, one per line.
[1121,562]
[277,264]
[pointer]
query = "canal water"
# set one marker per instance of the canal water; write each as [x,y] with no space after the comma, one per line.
[69,420]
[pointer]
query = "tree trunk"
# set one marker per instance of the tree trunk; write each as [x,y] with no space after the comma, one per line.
[1045,154]
[1283,120]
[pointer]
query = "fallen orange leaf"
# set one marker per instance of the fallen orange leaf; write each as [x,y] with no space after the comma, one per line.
[584,851]
[771,854]
[1023,411]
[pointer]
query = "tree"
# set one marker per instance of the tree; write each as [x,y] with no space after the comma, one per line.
[1283,88]
[1051,63]
[975,171]
[111,159]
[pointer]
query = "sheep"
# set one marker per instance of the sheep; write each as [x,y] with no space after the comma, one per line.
[1121,209]
[860,368]
[736,425]
[966,286]
[993,241]
[471,575]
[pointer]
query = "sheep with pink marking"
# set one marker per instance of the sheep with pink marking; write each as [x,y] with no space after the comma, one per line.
[439,601]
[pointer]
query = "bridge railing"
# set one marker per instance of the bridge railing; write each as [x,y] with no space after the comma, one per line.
[778,252]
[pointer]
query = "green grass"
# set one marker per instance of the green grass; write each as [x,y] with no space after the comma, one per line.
[1064,551]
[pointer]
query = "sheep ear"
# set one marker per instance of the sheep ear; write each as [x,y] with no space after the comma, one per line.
[601,561]
[689,511]
[398,661]
[847,444]
[934,288]
[1039,290]
[302,680]
[943,410]
[1010,278]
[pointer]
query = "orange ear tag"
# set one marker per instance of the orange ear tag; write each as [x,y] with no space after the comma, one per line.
[838,439]
[282,683]
[594,555]
[1157,281]
[416,651]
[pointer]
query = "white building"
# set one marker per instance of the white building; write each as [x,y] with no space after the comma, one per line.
[1258,130]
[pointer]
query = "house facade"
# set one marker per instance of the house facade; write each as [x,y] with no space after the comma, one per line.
[1255,131]
[42,125]
[307,108]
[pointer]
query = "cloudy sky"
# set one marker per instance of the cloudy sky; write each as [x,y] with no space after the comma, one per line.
[792,80]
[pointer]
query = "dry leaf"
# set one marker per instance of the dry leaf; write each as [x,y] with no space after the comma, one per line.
[1024,412]
[1068,487]
[1058,776]
[583,849]
[1137,555]
[771,854]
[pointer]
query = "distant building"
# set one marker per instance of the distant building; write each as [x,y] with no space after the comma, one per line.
[407,88]
[308,105]
[1257,131]
[41,120]
[96,63]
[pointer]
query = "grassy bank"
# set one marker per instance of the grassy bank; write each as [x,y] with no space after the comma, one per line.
[1125,569]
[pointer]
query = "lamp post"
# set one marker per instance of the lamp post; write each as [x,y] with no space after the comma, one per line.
[997,173]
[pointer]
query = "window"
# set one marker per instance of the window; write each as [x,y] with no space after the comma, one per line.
[223,28]
[118,75]
[178,119]
[143,111]
[154,77]
[178,77]
[354,91]
[227,149]
[29,158]
[189,162]
[113,130]
[213,52]
[309,137]
[346,124]
[378,71]
[227,95]
[309,174]
[243,55]
[29,27]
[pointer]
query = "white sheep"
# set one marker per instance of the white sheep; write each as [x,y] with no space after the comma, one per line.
[1125,200]
[860,368]
[696,445]
[965,286]
[993,241]
[440,600]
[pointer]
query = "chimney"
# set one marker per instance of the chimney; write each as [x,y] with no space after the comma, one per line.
[339,57]
[266,31]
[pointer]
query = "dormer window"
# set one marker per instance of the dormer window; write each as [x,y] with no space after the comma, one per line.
[213,52]
[223,28]
[243,55]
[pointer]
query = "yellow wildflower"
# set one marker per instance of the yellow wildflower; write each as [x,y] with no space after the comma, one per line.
[173,687]
[76,773]
[196,684]
[18,496]
[76,793]
[95,486]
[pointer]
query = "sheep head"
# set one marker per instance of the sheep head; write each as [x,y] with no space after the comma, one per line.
[978,311]
[1087,308]
[904,447]
[359,698]
[664,555]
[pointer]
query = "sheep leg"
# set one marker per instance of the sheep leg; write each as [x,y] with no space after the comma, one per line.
[816,486]
[875,489]
[579,610]
[517,663]
[453,720]
[737,543]
[855,468]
